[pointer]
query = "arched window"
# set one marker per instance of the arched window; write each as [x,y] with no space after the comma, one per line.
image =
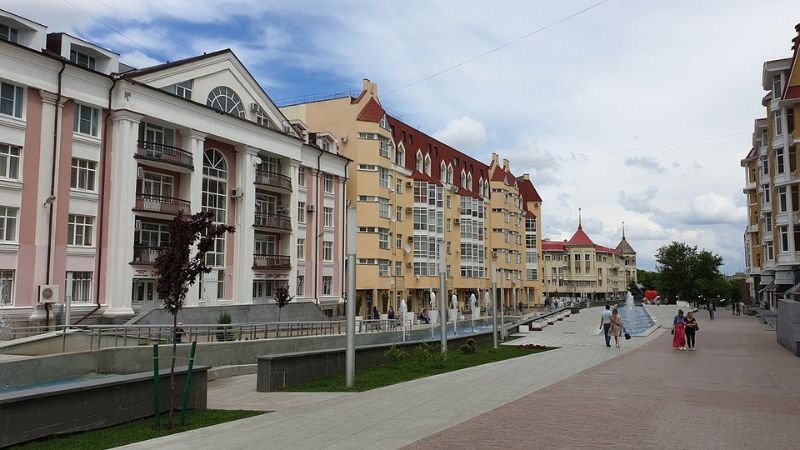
[223,98]
[428,165]
[443,172]
[419,161]
[450,174]
[215,200]
[463,179]
[400,157]
[469,181]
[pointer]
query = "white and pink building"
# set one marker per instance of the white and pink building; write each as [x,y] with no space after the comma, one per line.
[96,157]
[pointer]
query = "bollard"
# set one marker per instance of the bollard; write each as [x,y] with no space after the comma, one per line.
[156,388]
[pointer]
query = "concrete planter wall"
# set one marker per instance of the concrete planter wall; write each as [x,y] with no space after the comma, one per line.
[787,326]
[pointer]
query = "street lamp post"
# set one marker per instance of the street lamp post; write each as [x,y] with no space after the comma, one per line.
[494,300]
[442,296]
[350,340]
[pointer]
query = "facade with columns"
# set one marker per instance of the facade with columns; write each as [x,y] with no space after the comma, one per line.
[96,157]
[772,236]
[418,199]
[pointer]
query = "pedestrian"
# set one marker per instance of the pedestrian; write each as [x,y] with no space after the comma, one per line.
[375,313]
[691,328]
[616,326]
[179,333]
[391,313]
[679,331]
[605,324]
[711,310]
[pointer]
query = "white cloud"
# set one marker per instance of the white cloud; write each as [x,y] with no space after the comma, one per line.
[464,133]
[712,208]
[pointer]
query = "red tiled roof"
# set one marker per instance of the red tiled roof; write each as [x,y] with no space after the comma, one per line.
[372,112]
[528,191]
[529,214]
[438,152]
[792,92]
[550,246]
[580,238]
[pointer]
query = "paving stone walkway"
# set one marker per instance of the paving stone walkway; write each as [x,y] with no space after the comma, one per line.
[738,390]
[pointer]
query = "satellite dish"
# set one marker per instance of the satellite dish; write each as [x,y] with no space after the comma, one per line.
[408,248]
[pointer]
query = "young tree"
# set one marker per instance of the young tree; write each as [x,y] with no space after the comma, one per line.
[282,298]
[676,268]
[177,269]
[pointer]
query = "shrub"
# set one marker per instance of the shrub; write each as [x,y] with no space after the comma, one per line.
[224,333]
[439,359]
[395,356]
[470,346]
[423,353]
[533,347]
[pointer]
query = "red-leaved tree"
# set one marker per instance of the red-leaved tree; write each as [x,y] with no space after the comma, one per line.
[282,298]
[177,268]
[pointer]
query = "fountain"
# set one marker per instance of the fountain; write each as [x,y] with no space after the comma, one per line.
[636,319]
[474,309]
[404,316]
[629,299]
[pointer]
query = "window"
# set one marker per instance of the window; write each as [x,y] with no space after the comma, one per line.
[6,287]
[8,34]
[770,251]
[399,214]
[794,194]
[86,120]
[779,163]
[328,183]
[79,230]
[428,165]
[765,189]
[152,235]
[215,184]
[383,238]
[182,89]
[82,59]
[11,100]
[768,222]
[782,198]
[224,99]
[301,177]
[399,185]
[9,161]
[262,289]
[327,214]
[778,124]
[383,177]
[327,250]
[8,223]
[262,118]
[301,212]
[777,90]
[383,267]
[784,233]
[399,241]
[83,174]
[384,123]
[385,146]
[79,286]
[797,237]
[327,284]
[301,285]
[301,248]
[398,268]
[384,208]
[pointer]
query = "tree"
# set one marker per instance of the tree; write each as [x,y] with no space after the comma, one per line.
[282,298]
[685,273]
[177,269]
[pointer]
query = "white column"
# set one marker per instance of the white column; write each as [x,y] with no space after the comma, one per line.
[244,238]
[191,189]
[121,191]
[294,167]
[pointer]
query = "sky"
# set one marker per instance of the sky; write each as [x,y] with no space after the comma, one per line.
[634,111]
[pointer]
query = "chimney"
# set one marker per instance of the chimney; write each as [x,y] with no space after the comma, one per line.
[370,87]
[526,177]
[796,40]
[505,165]
[495,159]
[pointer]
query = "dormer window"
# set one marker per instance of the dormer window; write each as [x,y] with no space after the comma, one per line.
[443,172]
[449,174]
[224,99]
[463,179]
[777,87]
[8,34]
[82,59]
[428,165]
[469,181]
[384,123]
[419,161]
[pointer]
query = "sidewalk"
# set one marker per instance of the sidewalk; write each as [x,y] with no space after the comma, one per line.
[738,390]
[645,395]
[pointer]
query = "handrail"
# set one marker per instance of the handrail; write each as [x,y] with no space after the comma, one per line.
[160,204]
[155,151]
[272,220]
[261,261]
[273,179]
[145,255]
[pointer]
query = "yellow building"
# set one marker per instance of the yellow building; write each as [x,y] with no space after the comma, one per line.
[580,269]
[416,197]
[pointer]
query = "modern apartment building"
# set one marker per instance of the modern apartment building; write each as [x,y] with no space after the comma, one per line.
[96,157]
[580,269]
[772,236]
[416,198]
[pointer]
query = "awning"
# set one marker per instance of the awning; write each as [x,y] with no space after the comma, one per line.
[794,290]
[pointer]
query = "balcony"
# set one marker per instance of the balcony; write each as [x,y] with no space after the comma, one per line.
[165,156]
[160,205]
[271,262]
[271,221]
[273,180]
[145,255]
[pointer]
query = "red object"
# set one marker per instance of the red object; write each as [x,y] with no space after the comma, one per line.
[650,294]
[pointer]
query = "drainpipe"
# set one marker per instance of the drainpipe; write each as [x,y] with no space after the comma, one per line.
[316,232]
[344,217]
[51,199]
[101,205]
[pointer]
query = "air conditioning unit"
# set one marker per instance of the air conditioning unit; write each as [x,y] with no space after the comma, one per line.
[237,193]
[456,221]
[311,208]
[409,265]
[48,293]
[411,239]
[344,139]
[409,184]
[255,107]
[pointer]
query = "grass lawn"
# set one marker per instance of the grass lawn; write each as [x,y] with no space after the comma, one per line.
[410,368]
[137,431]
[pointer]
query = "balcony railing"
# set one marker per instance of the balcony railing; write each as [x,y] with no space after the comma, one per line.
[271,262]
[269,220]
[146,255]
[159,204]
[153,151]
[273,179]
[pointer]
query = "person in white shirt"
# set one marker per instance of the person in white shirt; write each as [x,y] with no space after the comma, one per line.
[605,324]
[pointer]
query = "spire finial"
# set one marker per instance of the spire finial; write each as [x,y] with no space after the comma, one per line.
[580,226]
[623,230]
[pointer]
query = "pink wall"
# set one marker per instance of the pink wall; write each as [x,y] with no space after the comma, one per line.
[62,196]
[29,208]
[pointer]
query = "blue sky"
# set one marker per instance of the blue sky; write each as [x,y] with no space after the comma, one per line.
[635,111]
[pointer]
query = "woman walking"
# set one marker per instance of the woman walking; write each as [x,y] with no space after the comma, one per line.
[691,327]
[616,326]
[679,331]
